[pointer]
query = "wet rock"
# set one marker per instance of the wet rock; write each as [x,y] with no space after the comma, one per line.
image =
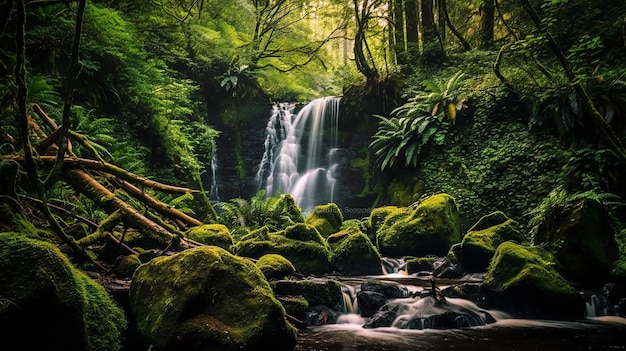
[429,313]
[370,302]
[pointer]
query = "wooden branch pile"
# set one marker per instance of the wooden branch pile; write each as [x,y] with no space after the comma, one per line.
[100,181]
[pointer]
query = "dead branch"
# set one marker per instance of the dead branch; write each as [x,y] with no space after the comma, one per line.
[157,205]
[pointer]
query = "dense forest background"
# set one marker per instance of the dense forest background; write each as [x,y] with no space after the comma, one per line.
[150,86]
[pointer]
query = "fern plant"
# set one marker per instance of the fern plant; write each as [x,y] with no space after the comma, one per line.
[275,213]
[426,117]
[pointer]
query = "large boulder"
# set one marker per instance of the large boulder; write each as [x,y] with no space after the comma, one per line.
[47,304]
[205,298]
[432,227]
[479,244]
[581,237]
[352,253]
[300,243]
[523,281]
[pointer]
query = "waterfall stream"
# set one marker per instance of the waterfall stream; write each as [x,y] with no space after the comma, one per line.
[298,152]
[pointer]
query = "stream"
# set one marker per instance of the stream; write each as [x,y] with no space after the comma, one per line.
[506,333]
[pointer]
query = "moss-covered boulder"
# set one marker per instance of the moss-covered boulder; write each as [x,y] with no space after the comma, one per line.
[419,264]
[523,281]
[308,256]
[352,253]
[125,267]
[275,266]
[211,234]
[47,304]
[479,244]
[327,219]
[432,227]
[316,291]
[582,239]
[205,298]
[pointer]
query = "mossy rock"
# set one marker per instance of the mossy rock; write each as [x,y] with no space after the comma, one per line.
[304,232]
[307,257]
[327,219]
[205,298]
[523,281]
[419,264]
[274,266]
[13,220]
[127,265]
[479,244]
[47,304]
[432,227]
[211,234]
[582,240]
[315,291]
[352,253]
[389,214]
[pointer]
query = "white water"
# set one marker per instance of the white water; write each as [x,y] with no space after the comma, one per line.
[298,155]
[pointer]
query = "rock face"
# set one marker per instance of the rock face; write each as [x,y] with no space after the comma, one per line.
[49,305]
[582,240]
[523,281]
[432,227]
[207,299]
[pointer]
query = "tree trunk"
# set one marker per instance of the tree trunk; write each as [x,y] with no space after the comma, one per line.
[488,12]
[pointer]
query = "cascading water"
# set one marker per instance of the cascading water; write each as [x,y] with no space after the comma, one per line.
[214,189]
[299,150]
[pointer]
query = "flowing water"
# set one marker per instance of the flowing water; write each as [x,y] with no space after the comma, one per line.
[298,152]
[502,332]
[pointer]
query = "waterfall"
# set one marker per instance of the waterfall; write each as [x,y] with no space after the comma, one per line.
[298,152]
[214,189]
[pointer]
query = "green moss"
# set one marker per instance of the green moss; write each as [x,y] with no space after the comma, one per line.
[206,297]
[308,257]
[303,232]
[127,265]
[274,266]
[353,253]
[46,293]
[431,228]
[211,234]
[327,219]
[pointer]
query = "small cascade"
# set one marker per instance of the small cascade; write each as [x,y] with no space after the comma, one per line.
[214,189]
[298,152]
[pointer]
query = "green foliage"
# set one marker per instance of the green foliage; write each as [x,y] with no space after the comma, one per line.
[592,168]
[275,213]
[559,200]
[425,118]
